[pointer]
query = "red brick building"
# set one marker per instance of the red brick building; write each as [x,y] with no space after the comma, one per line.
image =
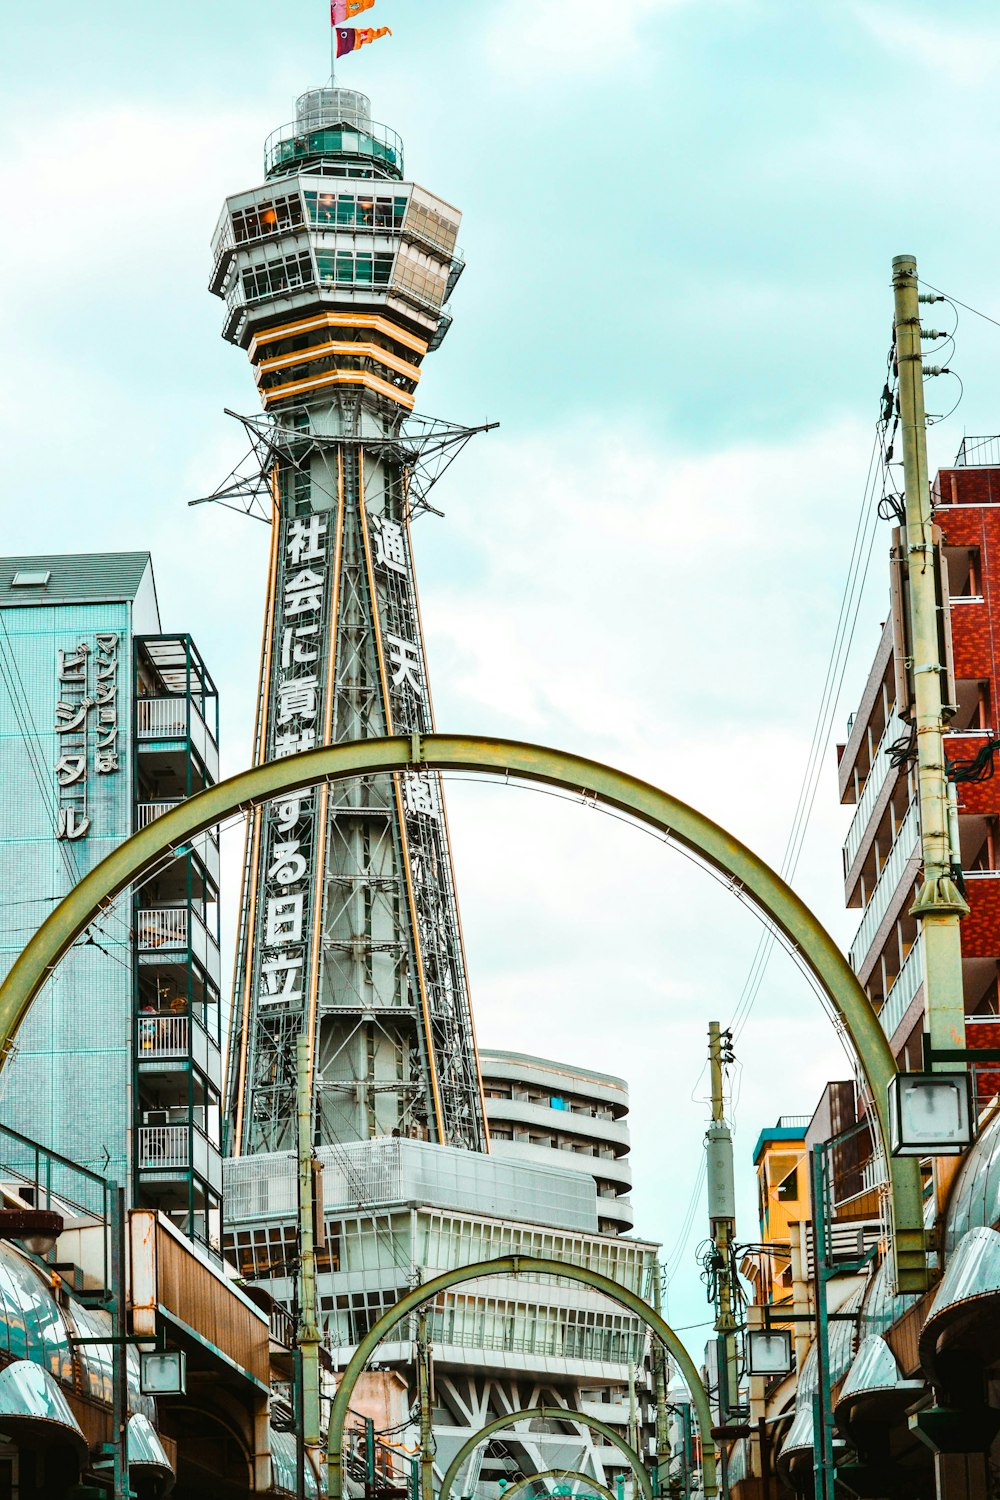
[881,851]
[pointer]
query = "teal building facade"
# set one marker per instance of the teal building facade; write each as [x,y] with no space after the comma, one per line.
[106,722]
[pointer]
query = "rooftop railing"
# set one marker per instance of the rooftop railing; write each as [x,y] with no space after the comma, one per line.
[290,144]
[978,452]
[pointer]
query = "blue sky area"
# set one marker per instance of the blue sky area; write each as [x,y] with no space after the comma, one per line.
[679,224]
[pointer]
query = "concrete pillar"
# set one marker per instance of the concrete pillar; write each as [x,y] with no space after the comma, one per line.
[961,1476]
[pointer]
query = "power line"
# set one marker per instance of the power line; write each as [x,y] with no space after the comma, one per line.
[968,308]
[866,530]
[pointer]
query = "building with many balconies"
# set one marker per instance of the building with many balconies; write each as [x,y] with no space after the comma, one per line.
[877,775]
[536,1107]
[106,722]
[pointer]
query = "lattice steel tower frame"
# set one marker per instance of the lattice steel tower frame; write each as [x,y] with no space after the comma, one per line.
[336,273]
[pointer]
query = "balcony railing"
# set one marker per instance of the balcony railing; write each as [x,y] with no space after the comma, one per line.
[177,718]
[145,812]
[162,1036]
[900,993]
[904,846]
[165,929]
[162,718]
[164,1146]
[880,767]
[178,1038]
[205,845]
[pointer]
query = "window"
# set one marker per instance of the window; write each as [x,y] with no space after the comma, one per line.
[964,572]
[352,211]
[788,1188]
[30,579]
[348,268]
[270,277]
[261,219]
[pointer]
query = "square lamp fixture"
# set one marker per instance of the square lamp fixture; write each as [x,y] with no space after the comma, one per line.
[769,1351]
[930,1114]
[163,1372]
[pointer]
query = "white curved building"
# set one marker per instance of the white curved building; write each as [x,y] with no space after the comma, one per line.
[535,1106]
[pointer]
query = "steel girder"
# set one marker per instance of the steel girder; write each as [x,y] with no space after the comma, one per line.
[548,1414]
[602,786]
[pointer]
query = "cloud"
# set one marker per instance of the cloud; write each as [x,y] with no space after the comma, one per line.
[608,590]
[566,39]
[967,56]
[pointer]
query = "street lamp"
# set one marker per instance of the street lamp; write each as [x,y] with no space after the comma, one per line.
[769,1351]
[930,1114]
[163,1372]
[36,1228]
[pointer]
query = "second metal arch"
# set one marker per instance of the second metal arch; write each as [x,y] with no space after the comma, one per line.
[549,1414]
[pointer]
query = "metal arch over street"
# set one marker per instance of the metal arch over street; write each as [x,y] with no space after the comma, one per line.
[515,1265]
[531,763]
[575,1475]
[546,1414]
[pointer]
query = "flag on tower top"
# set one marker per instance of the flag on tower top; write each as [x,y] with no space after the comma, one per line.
[346,10]
[350,38]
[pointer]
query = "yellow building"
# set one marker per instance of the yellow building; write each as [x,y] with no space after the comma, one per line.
[782,1200]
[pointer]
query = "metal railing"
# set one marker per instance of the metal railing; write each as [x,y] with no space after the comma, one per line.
[900,993]
[904,846]
[880,768]
[978,452]
[177,718]
[205,845]
[162,1036]
[145,812]
[291,143]
[161,718]
[164,928]
[164,1146]
[170,927]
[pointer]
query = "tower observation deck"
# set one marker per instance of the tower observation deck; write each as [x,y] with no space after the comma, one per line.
[335,273]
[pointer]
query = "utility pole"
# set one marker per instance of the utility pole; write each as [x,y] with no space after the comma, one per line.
[939,905]
[660,1387]
[722,1216]
[308,1329]
[116,1228]
[426,1428]
[823,1465]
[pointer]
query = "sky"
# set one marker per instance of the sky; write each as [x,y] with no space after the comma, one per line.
[679,225]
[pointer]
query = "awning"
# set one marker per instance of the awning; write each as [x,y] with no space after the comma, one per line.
[800,1434]
[966,1311]
[738,1467]
[33,1407]
[874,1388]
[797,1453]
[284,1466]
[975,1197]
[145,1451]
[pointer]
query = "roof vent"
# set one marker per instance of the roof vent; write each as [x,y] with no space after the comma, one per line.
[34,578]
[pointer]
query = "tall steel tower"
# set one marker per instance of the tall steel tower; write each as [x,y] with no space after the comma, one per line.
[336,273]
